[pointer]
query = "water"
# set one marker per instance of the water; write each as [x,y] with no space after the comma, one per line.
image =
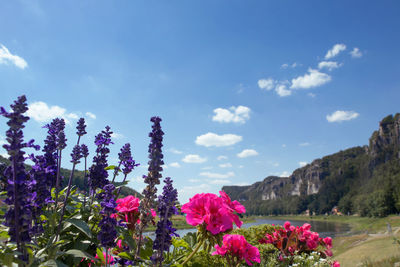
[324,228]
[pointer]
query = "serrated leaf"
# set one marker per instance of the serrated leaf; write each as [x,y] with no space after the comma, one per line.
[81,225]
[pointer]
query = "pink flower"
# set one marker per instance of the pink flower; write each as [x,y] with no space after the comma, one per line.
[217,213]
[237,246]
[328,241]
[286,225]
[336,264]
[128,204]
[311,244]
[110,259]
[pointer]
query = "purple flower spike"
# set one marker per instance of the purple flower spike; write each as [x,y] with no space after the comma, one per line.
[125,158]
[107,234]
[98,175]
[76,154]
[165,229]
[19,189]
[81,127]
[84,150]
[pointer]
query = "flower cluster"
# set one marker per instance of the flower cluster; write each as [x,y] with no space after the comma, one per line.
[235,248]
[214,212]
[98,174]
[291,240]
[165,229]
[108,223]
[126,160]
[19,188]
[128,210]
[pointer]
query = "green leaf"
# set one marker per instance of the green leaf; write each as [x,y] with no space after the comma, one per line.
[81,225]
[125,255]
[111,167]
[53,263]
[79,254]
[100,254]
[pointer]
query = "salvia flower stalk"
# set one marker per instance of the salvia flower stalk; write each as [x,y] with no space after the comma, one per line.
[107,235]
[19,188]
[165,229]
[152,179]
[126,160]
[98,175]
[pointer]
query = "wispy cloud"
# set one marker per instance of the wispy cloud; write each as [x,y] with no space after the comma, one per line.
[41,112]
[193,158]
[303,163]
[356,53]
[239,114]
[7,58]
[222,157]
[266,84]
[247,153]
[225,165]
[341,115]
[304,144]
[175,165]
[175,151]
[212,139]
[281,90]
[329,65]
[90,115]
[313,78]
[217,175]
[335,50]
[117,135]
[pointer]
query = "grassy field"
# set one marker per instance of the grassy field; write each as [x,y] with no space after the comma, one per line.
[369,243]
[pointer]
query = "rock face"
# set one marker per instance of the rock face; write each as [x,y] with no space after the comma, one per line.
[384,145]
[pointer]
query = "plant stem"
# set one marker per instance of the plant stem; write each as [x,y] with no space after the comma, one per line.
[58,178]
[193,252]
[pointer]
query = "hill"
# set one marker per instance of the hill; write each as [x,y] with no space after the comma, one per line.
[363,180]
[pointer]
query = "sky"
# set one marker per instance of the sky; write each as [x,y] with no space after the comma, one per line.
[245,89]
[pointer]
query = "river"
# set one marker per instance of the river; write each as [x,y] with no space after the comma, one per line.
[324,228]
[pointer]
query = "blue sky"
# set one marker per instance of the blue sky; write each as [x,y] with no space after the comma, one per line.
[246,89]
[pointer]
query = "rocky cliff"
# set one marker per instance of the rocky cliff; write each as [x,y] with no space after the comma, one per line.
[340,170]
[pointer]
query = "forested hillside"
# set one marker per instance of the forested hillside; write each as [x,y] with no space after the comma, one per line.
[363,180]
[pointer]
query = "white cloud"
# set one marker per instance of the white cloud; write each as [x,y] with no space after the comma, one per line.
[207,168]
[175,165]
[212,139]
[41,112]
[283,145]
[6,57]
[293,65]
[329,65]
[193,158]
[284,66]
[282,90]
[313,79]
[90,115]
[175,151]
[225,165]
[312,95]
[241,183]
[285,174]
[247,153]
[235,114]
[304,144]
[356,53]
[194,180]
[341,115]
[241,167]
[222,157]
[266,84]
[217,175]
[117,135]
[303,163]
[336,49]
[220,181]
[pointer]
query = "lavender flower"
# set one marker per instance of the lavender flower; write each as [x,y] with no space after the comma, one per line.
[107,234]
[165,230]
[81,127]
[98,175]
[50,152]
[84,150]
[126,160]
[76,154]
[19,189]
